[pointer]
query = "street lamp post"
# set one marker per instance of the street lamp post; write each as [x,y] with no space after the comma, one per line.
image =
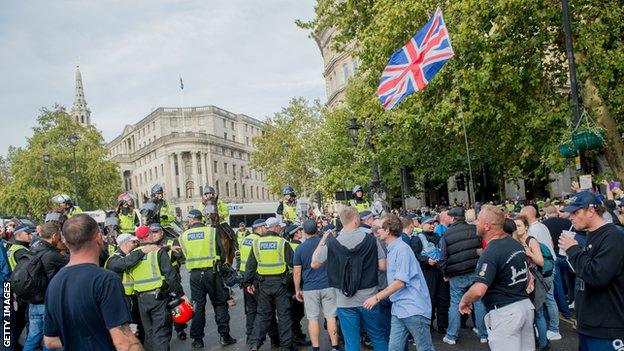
[46,163]
[376,185]
[73,140]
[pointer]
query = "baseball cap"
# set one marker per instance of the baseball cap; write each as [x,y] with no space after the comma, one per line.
[309,226]
[258,223]
[155,227]
[194,214]
[22,228]
[53,216]
[142,232]
[457,212]
[582,199]
[365,214]
[272,222]
[124,238]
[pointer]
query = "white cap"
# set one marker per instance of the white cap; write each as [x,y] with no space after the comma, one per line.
[123,238]
[272,222]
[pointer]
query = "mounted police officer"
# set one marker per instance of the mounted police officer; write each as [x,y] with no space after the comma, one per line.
[166,212]
[288,206]
[266,276]
[358,200]
[66,205]
[203,251]
[129,217]
[222,208]
[155,281]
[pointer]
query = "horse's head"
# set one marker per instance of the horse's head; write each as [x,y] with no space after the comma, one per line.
[150,213]
[111,229]
[211,211]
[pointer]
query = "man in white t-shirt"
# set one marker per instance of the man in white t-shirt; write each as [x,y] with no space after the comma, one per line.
[540,232]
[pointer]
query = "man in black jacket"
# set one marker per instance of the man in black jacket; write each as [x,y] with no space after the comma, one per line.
[460,249]
[426,247]
[52,261]
[599,266]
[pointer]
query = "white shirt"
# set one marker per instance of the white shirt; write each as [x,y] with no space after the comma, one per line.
[540,232]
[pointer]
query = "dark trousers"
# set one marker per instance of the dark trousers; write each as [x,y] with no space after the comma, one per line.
[297,313]
[273,295]
[19,319]
[251,309]
[209,282]
[439,292]
[156,322]
[133,306]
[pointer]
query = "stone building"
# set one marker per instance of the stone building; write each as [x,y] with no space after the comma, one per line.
[79,111]
[184,149]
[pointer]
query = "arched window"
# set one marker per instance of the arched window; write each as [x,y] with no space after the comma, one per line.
[227,189]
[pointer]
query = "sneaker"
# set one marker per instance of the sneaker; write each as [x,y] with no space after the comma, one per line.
[253,347]
[182,335]
[571,306]
[483,340]
[449,341]
[553,336]
[198,344]
[475,330]
[227,340]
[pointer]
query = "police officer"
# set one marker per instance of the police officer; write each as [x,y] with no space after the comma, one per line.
[295,234]
[266,276]
[288,206]
[22,236]
[66,205]
[251,304]
[202,251]
[155,281]
[176,257]
[358,200]
[241,233]
[120,262]
[165,211]
[129,218]
[208,195]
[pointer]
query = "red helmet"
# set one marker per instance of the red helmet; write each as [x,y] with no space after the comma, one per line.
[182,312]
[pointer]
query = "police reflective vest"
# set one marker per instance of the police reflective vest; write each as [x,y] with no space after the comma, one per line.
[126,222]
[126,279]
[146,275]
[75,210]
[11,254]
[269,253]
[294,245]
[199,246]
[240,236]
[245,249]
[111,249]
[167,215]
[289,213]
[361,206]
[222,209]
[174,262]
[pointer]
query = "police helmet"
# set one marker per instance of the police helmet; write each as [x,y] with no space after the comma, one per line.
[157,189]
[357,188]
[288,190]
[62,199]
[209,190]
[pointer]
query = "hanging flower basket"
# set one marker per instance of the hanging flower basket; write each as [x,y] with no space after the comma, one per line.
[567,150]
[587,140]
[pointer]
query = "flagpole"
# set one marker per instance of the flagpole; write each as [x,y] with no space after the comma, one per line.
[182,105]
[461,112]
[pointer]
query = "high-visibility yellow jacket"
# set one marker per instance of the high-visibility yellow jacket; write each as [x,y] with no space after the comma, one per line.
[146,275]
[199,245]
[245,249]
[269,253]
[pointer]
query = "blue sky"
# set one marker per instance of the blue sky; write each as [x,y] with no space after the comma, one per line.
[246,56]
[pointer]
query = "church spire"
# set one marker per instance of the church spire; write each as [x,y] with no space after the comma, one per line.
[79,110]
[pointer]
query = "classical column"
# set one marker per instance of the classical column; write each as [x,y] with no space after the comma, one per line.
[181,175]
[172,177]
[210,174]
[205,169]
[194,173]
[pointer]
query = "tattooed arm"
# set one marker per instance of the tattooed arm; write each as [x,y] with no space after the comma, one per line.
[124,339]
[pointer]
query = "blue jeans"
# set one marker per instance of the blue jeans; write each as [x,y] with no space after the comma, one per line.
[418,326]
[459,285]
[551,306]
[385,308]
[34,340]
[588,343]
[560,298]
[567,277]
[350,319]
[540,324]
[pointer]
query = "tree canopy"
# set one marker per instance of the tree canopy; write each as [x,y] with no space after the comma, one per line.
[23,187]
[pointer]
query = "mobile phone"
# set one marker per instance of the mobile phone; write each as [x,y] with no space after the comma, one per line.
[614,184]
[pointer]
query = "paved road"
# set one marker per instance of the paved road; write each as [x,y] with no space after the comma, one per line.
[468,341]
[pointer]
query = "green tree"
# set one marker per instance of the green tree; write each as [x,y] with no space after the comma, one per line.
[284,150]
[24,191]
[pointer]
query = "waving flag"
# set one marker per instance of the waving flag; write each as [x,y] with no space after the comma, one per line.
[411,67]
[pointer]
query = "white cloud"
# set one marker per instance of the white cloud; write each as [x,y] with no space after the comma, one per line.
[242,55]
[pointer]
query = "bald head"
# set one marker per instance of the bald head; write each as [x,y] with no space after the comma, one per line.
[490,222]
[530,213]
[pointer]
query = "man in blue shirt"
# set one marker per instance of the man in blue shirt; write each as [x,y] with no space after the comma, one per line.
[315,292]
[407,289]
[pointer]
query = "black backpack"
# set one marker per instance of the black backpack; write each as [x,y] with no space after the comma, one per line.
[29,280]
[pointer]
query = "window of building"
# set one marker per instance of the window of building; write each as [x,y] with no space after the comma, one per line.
[215,165]
[227,189]
[246,128]
[251,191]
[247,141]
[263,193]
[232,125]
[234,170]
[225,167]
[345,72]
[243,191]
[233,137]
[217,188]
[235,190]
[257,193]
[162,170]
[224,125]
[225,135]
[223,150]
[356,64]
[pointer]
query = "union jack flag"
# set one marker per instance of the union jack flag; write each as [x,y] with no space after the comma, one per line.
[411,67]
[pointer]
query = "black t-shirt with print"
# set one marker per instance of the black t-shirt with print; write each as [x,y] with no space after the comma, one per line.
[503,268]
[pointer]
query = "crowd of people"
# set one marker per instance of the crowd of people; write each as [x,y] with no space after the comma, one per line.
[371,279]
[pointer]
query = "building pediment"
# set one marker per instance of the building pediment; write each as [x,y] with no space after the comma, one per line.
[128,129]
